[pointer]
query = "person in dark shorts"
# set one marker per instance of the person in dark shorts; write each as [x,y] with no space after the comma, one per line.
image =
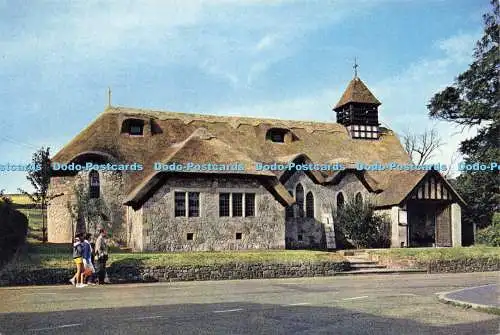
[101,250]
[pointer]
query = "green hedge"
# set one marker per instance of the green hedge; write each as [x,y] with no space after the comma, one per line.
[489,236]
[13,230]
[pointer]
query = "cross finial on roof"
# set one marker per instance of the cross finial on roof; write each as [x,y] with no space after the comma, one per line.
[355,67]
[109,96]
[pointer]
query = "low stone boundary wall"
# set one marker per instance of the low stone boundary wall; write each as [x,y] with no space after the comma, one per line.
[135,274]
[463,265]
[442,266]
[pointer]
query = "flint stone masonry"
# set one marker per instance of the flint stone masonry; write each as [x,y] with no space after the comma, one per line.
[162,231]
[465,265]
[111,192]
[228,272]
[442,266]
[129,274]
[325,200]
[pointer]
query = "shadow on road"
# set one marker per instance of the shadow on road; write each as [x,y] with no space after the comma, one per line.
[226,318]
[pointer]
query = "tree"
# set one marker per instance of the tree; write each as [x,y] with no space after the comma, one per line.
[473,101]
[357,224]
[39,178]
[421,147]
[87,214]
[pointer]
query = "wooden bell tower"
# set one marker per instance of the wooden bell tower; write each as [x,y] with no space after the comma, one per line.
[357,109]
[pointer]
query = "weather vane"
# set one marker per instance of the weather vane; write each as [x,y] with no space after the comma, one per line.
[355,67]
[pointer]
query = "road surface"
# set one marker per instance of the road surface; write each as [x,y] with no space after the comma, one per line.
[488,295]
[383,304]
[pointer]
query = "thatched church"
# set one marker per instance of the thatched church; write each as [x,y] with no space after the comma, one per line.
[217,209]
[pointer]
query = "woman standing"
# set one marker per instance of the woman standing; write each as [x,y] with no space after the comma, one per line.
[77,279]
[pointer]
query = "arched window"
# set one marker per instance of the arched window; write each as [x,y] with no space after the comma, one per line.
[309,205]
[340,201]
[359,199]
[299,199]
[94,184]
[289,209]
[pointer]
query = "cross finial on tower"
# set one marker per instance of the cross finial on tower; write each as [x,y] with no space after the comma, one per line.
[355,67]
[109,96]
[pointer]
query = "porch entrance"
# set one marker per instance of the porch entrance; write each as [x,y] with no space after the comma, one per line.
[429,224]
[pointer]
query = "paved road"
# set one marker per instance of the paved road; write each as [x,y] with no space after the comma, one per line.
[388,304]
[482,295]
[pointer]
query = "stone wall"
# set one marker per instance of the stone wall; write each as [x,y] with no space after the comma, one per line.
[441,266]
[130,274]
[311,230]
[111,192]
[138,273]
[58,216]
[135,229]
[465,265]
[165,232]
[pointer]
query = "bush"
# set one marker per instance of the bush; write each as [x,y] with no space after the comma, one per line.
[13,230]
[358,226]
[4,198]
[489,236]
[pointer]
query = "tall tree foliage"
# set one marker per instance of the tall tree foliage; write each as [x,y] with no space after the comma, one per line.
[40,180]
[357,224]
[87,214]
[473,100]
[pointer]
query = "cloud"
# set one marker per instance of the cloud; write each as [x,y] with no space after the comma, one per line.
[236,41]
[59,52]
[458,47]
[407,94]
[266,42]
[315,106]
[404,97]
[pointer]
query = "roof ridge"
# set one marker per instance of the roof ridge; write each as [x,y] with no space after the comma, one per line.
[214,117]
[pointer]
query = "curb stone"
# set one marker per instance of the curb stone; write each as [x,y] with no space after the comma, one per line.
[442,297]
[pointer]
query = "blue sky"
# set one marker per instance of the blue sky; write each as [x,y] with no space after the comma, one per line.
[281,59]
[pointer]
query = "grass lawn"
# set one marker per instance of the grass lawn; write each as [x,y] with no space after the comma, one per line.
[59,256]
[428,254]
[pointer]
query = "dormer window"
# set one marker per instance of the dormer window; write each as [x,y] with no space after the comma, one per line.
[133,127]
[136,129]
[280,135]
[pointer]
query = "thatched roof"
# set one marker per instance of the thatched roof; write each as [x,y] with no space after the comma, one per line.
[182,137]
[395,185]
[357,91]
[201,147]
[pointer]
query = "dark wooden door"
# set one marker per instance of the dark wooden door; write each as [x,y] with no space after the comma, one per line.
[443,226]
